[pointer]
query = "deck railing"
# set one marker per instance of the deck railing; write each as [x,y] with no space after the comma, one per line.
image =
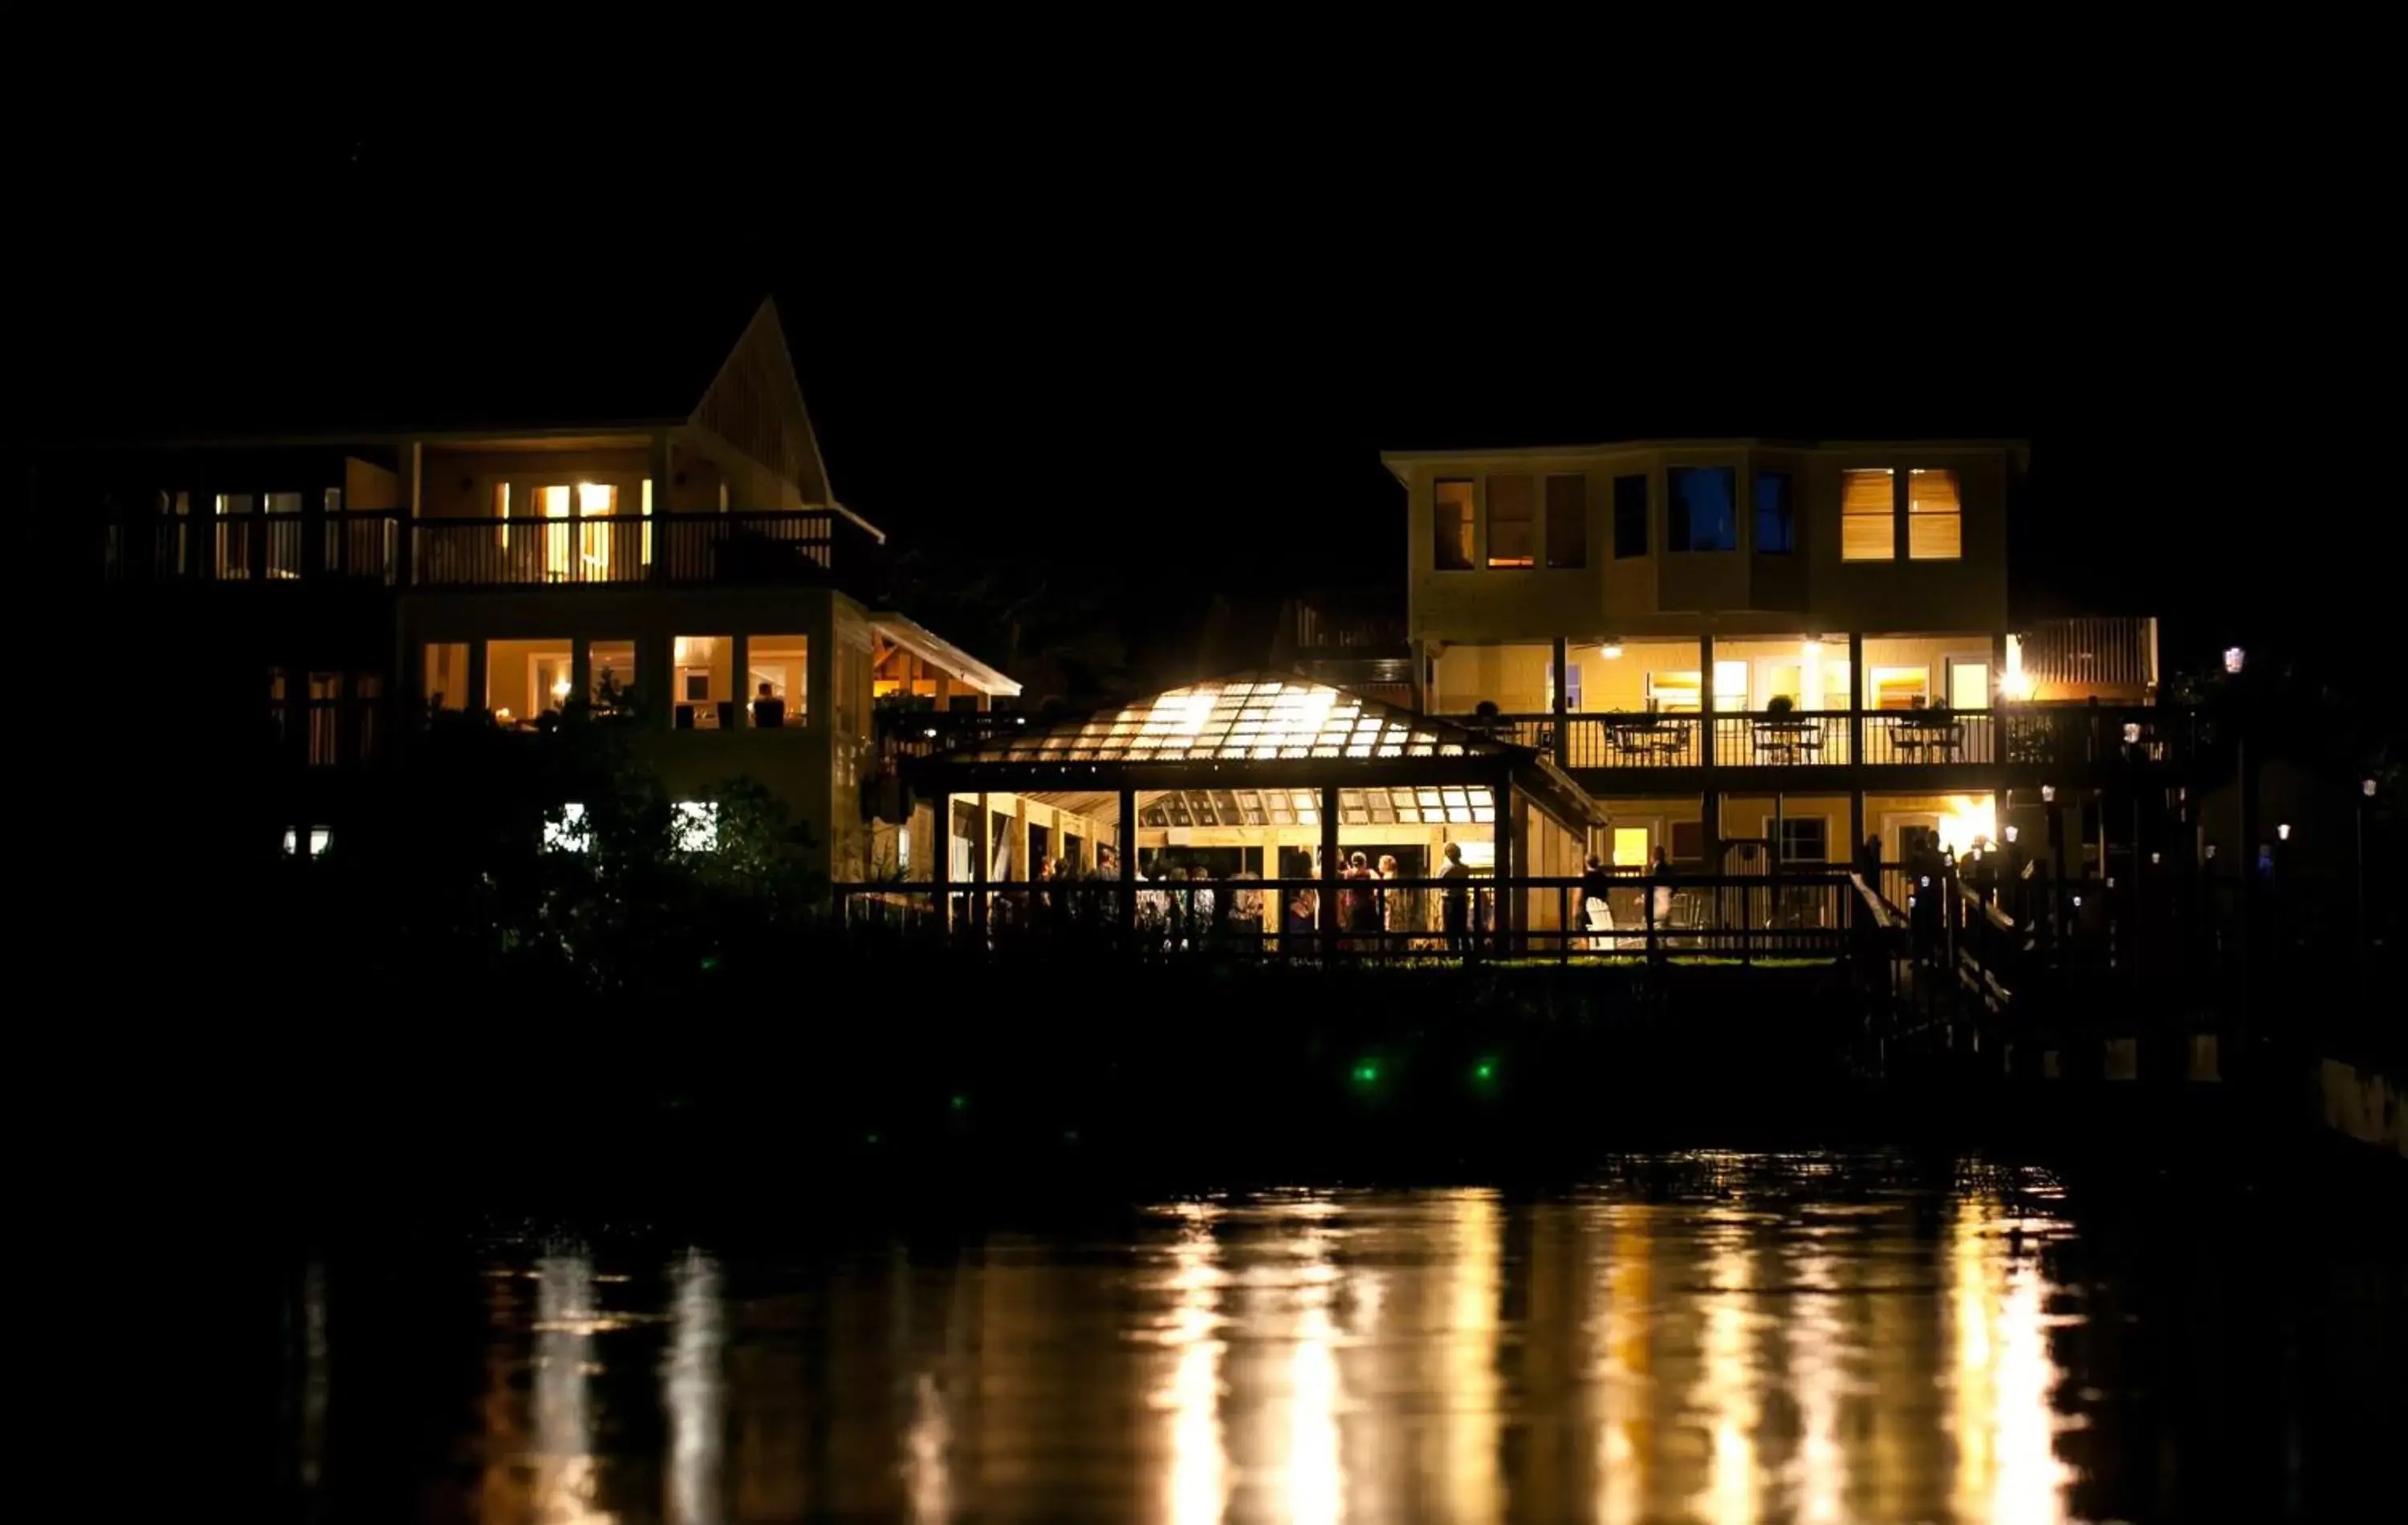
[1737,918]
[526,551]
[2120,736]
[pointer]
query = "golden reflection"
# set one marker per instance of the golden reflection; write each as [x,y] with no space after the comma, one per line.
[1198,1486]
[2005,1430]
[1725,1395]
[1475,1250]
[1624,1366]
[1316,1476]
[1818,1473]
[694,1391]
[927,1480]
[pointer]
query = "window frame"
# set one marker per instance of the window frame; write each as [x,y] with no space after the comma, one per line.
[1780,839]
[1469,539]
[1888,515]
[1528,521]
[1954,516]
[1680,538]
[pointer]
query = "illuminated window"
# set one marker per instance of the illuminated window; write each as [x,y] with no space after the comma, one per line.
[1700,507]
[525,679]
[1899,689]
[701,679]
[648,522]
[776,673]
[234,526]
[1630,847]
[1629,517]
[1677,692]
[1567,521]
[1867,517]
[568,833]
[1776,516]
[1935,517]
[1452,530]
[319,838]
[1513,520]
[694,827]
[610,668]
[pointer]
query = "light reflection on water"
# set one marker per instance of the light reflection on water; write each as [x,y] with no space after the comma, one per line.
[1760,1346]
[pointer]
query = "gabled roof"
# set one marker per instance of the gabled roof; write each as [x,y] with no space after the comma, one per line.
[1255,716]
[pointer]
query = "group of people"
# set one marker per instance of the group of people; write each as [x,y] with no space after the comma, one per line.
[1595,909]
[1183,906]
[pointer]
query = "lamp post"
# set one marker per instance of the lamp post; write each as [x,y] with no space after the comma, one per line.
[2365,802]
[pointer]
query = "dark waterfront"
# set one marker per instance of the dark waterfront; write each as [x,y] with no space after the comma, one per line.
[1701,1337]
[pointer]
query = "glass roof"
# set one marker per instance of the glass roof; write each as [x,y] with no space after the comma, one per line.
[1451,804]
[1237,719]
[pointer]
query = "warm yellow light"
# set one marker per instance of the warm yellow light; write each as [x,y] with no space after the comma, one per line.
[2014,682]
[560,689]
[1967,818]
[1611,651]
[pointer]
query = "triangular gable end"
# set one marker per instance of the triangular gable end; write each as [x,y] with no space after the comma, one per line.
[755,404]
[1252,716]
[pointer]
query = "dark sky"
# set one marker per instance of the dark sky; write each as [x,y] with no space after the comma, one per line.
[1164,357]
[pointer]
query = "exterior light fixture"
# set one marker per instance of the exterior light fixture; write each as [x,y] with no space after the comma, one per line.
[2233,658]
[1611,651]
[1020,720]
[2282,832]
[2211,852]
[930,733]
[2077,903]
[2048,794]
[2013,833]
[2132,732]
[2368,788]
[2156,858]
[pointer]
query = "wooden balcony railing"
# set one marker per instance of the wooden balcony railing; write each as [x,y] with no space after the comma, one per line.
[803,546]
[2038,735]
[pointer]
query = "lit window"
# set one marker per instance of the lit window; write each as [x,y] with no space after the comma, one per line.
[1512,515]
[1866,517]
[1567,521]
[701,679]
[1776,517]
[1935,517]
[1451,547]
[610,666]
[320,840]
[567,834]
[1899,689]
[775,682]
[1700,507]
[694,827]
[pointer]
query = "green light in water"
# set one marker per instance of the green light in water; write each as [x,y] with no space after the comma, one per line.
[710,962]
[1484,1069]
[961,1103]
[1367,1074]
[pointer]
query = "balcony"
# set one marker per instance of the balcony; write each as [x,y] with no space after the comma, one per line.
[390,550]
[2035,737]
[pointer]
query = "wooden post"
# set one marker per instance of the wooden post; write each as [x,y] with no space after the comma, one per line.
[941,873]
[740,664]
[1125,851]
[664,479]
[981,846]
[1563,675]
[477,698]
[1706,700]
[1856,705]
[1328,917]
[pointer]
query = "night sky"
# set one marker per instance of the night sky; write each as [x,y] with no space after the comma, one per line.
[1165,359]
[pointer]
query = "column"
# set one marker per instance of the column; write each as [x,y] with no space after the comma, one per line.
[1706,700]
[981,851]
[1856,706]
[940,872]
[664,480]
[410,466]
[1421,676]
[819,669]
[1125,850]
[476,696]
[1328,917]
[581,670]
[1857,824]
[1501,918]
[739,667]
[1562,671]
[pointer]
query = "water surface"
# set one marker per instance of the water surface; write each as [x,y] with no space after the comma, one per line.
[1720,1339]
